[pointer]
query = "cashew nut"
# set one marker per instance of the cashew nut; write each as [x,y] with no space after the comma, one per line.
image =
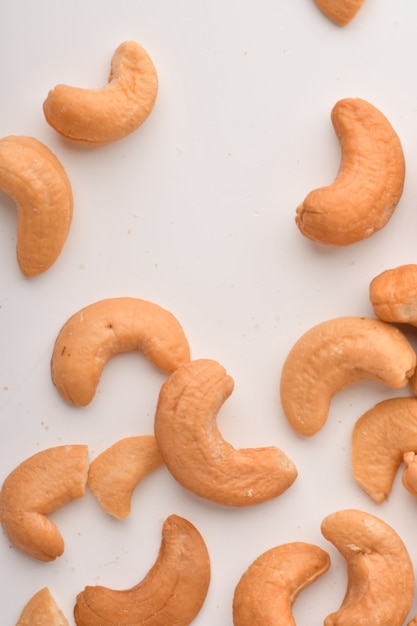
[42,610]
[172,593]
[37,487]
[335,354]
[116,472]
[108,327]
[341,12]
[380,574]
[266,592]
[34,178]
[393,295]
[96,117]
[194,450]
[369,184]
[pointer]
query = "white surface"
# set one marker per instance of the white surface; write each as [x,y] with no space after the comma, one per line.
[195,211]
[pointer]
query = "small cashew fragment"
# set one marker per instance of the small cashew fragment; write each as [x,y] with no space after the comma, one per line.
[341,12]
[116,472]
[96,117]
[37,182]
[393,295]
[194,450]
[337,353]
[37,487]
[380,573]
[265,594]
[171,594]
[42,610]
[99,331]
[369,184]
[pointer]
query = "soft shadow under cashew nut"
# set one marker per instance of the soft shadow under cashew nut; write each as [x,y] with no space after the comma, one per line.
[341,12]
[42,610]
[171,594]
[337,353]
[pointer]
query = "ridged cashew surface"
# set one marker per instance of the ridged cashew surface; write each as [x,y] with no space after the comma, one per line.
[393,295]
[96,117]
[369,183]
[42,610]
[102,329]
[337,353]
[37,487]
[266,592]
[35,179]
[196,453]
[341,12]
[171,594]
[380,584]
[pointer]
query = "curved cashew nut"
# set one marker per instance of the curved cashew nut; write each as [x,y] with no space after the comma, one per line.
[34,178]
[42,609]
[341,12]
[37,487]
[335,354]
[194,450]
[116,472]
[108,327]
[268,589]
[393,295]
[172,592]
[96,117]
[380,584]
[369,184]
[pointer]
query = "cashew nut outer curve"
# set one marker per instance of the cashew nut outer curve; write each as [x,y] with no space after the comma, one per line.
[337,353]
[341,12]
[96,117]
[42,610]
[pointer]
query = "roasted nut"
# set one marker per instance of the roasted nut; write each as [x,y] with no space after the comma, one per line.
[194,450]
[172,593]
[369,184]
[96,117]
[393,295]
[37,182]
[108,327]
[341,12]
[268,589]
[42,610]
[335,354]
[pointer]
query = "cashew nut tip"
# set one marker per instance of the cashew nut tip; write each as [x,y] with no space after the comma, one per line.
[116,472]
[393,295]
[96,117]
[380,584]
[341,12]
[108,327]
[337,353]
[38,184]
[172,593]
[37,487]
[42,610]
[194,450]
[266,592]
[369,183]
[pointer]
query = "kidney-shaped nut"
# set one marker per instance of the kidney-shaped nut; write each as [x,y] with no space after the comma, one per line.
[172,593]
[37,182]
[42,610]
[116,472]
[96,117]
[380,584]
[341,12]
[369,184]
[393,295]
[37,487]
[194,450]
[337,353]
[100,330]
[266,592]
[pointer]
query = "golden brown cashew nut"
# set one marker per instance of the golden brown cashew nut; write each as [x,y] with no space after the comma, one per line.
[341,12]
[369,184]
[37,487]
[380,584]
[194,450]
[335,354]
[393,295]
[172,593]
[96,117]
[34,178]
[268,589]
[42,610]
[100,330]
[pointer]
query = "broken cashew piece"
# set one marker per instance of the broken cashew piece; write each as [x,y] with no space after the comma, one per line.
[39,486]
[96,117]
[173,591]
[266,592]
[37,182]
[42,610]
[116,472]
[337,353]
[195,452]
[108,327]
[341,12]
[380,573]
[369,184]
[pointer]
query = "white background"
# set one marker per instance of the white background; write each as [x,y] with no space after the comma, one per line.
[195,212]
